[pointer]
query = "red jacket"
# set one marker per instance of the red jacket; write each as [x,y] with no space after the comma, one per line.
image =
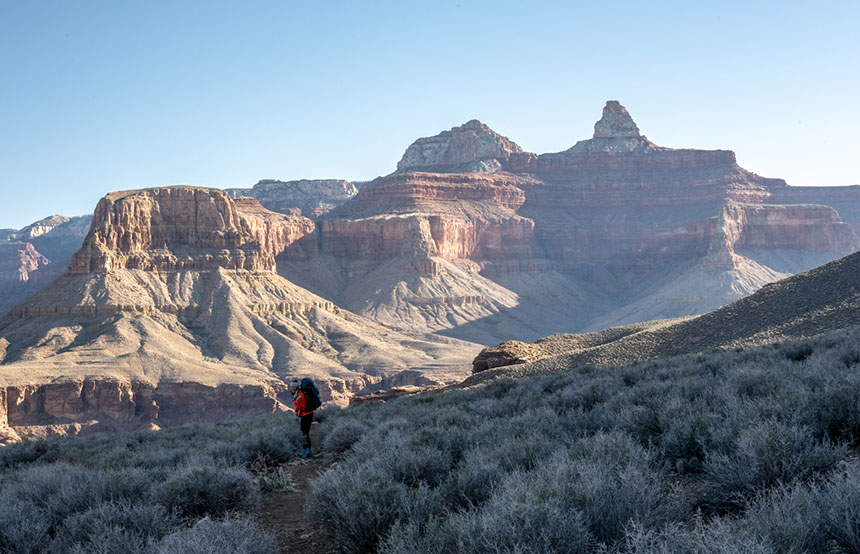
[300,401]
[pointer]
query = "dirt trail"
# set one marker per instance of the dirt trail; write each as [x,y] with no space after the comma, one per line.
[282,513]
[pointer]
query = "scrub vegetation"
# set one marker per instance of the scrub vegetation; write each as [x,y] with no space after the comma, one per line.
[190,489]
[741,450]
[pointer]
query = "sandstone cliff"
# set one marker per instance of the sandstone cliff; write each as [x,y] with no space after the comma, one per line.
[471,238]
[173,228]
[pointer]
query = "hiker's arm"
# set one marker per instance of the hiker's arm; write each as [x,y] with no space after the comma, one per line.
[300,403]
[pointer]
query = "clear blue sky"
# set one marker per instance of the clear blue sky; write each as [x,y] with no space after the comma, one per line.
[106,95]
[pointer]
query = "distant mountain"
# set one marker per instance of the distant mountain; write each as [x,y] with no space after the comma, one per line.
[308,197]
[474,238]
[32,257]
[824,299]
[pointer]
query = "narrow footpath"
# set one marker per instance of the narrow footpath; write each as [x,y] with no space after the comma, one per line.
[283,514]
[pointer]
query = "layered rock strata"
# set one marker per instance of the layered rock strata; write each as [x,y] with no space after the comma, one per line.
[174,228]
[615,229]
[172,311]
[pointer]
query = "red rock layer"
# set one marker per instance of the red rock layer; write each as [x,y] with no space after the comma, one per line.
[563,165]
[116,402]
[845,200]
[418,215]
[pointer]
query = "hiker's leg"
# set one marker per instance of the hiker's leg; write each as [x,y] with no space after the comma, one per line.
[306,430]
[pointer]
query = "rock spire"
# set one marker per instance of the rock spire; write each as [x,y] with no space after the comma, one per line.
[616,122]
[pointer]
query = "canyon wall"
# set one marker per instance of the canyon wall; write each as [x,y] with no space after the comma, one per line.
[186,228]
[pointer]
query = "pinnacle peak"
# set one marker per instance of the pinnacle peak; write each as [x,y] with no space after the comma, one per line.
[616,122]
[473,124]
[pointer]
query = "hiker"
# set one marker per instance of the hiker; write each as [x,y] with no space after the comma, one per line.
[306,399]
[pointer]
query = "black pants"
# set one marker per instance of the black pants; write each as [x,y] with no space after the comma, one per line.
[306,429]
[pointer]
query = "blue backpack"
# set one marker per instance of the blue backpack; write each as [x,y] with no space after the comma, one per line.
[312,394]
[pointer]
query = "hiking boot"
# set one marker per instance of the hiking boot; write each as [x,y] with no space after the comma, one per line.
[310,452]
[303,453]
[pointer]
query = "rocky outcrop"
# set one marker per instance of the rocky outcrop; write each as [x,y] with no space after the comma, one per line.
[172,312]
[27,405]
[172,228]
[41,227]
[471,147]
[308,197]
[510,352]
[615,133]
[109,405]
[845,200]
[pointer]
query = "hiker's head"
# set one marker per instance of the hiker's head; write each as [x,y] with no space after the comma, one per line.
[294,386]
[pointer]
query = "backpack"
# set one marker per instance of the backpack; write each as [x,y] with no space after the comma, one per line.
[312,394]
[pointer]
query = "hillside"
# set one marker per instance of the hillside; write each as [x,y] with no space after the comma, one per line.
[821,300]
[747,450]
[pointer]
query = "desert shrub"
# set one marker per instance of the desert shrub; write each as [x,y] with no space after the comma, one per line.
[839,500]
[728,536]
[279,443]
[798,351]
[199,491]
[236,535]
[613,480]
[24,527]
[418,464]
[342,435]
[764,454]
[523,516]
[55,490]
[790,517]
[28,452]
[834,411]
[673,538]
[116,527]
[356,505]
[472,481]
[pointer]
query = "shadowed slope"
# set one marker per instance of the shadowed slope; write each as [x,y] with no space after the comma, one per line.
[824,299]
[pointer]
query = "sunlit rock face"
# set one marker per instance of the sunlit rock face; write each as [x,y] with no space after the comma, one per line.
[173,228]
[471,147]
[482,240]
[232,293]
